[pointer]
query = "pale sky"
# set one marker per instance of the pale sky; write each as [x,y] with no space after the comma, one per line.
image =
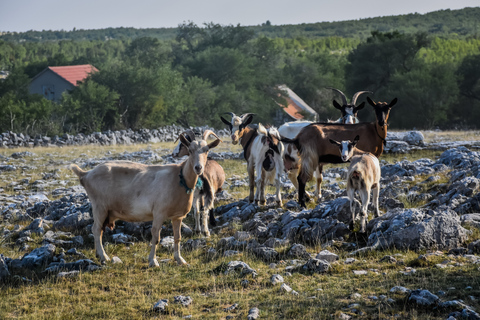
[24,15]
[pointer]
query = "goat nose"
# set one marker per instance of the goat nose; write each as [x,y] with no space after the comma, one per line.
[198,168]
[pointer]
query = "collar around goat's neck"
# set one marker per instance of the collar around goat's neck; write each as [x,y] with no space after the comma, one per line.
[384,131]
[183,182]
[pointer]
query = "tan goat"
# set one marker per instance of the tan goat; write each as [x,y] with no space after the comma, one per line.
[135,192]
[363,176]
[213,178]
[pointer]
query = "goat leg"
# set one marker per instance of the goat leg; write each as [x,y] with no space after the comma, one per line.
[176,224]
[351,197]
[156,228]
[376,193]
[99,216]
[251,182]
[301,192]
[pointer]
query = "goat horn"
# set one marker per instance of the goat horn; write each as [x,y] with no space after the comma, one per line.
[189,133]
[355,96]
[209,132]
[344,98]
[230,113]
[246,115]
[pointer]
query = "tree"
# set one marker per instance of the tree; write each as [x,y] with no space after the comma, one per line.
[90,107]
[374,62]
[425,94]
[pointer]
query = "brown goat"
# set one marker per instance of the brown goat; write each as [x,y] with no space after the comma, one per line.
[213,178]
[136,192]
[315,148]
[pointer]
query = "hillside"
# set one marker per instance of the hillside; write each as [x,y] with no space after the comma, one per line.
[446,23]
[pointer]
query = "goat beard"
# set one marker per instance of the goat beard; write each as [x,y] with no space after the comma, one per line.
[268,164]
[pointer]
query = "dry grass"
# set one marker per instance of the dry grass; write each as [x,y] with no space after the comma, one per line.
[129,290]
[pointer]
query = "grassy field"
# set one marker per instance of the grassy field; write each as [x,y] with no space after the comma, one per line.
[129,290]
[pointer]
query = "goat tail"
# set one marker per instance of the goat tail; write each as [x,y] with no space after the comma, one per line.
[291,141]
[76,169]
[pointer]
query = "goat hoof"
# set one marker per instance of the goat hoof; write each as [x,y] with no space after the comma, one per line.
[182,262]
[153,264]
[206,234]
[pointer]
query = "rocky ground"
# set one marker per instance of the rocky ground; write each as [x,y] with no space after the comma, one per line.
[430,205]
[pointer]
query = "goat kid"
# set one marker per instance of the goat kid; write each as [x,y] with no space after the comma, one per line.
[213,178]
[315,149]
[135,192]
[363,176]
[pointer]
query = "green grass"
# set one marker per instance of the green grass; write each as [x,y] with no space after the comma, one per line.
[129,290]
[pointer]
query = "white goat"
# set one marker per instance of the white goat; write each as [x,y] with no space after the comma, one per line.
[136,192]
[213,178]
[363,176]
[263,151]
[266,160]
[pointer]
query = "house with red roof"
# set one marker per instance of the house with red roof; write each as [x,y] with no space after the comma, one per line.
[295,107]
[53,81]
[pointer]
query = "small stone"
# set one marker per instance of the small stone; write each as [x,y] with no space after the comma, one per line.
[276,278]
[285,288]
[350,260]
[423,297]
[69,274]
[183,300]
[231,308]
[116,260]
[161,305]
[253,314]
[399,289]
[360,272]
[327,256]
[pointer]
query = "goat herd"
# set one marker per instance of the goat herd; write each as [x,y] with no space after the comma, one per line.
[136,192]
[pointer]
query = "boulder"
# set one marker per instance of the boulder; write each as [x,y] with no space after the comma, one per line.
[416,229]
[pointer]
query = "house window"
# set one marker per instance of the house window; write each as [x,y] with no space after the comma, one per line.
[49,91]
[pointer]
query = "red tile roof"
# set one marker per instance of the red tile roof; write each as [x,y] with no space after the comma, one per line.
[293,110]
[296,107]
[73,74]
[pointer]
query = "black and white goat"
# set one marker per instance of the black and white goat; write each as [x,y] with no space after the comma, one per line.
[349,110]
[363,176]
[264,154]
[212,178]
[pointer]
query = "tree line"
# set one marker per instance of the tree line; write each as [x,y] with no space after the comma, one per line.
[204,71]
[448,23]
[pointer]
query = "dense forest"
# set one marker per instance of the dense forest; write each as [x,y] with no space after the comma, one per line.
[191,74]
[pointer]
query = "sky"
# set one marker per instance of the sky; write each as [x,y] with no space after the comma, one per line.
[24,15]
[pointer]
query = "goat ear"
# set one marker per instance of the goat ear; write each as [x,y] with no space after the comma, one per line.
[335,142]
[247,120]
[371,102]
[356,140]
[394,101]
[184,140]
[337,105]
[228,123]
[359,107]
[214,143]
